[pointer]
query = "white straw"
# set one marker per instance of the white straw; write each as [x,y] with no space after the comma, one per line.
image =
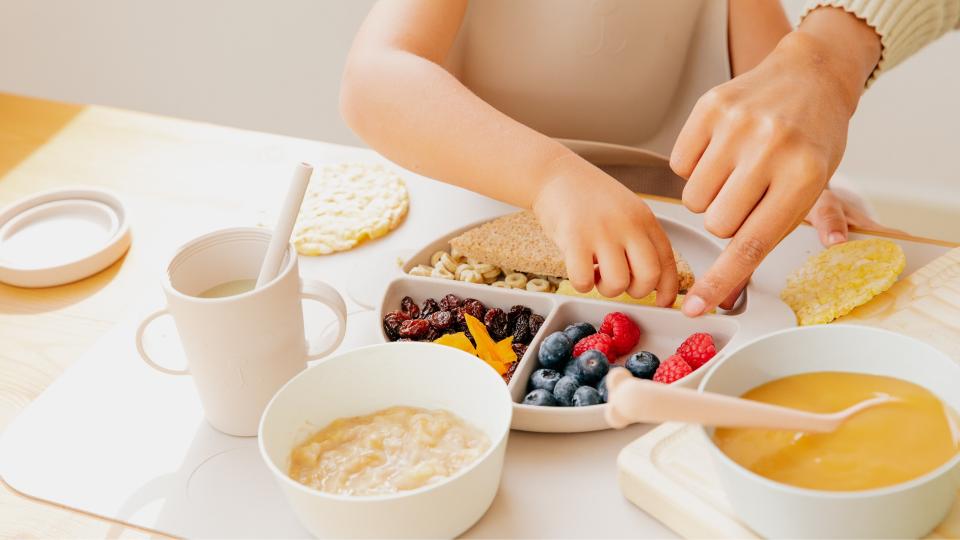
[284,228]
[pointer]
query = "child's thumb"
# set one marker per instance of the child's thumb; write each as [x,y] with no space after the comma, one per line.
[828,217]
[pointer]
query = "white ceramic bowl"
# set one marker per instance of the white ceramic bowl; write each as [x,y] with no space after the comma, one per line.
[368,379]
[907,510]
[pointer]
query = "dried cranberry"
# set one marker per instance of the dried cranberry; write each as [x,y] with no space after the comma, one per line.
[432,334]
[414,328]
[459,321]
[430,307]
[496,322]
[520,349]
[535,322]
[441,320]
[521,332]
[474,307]
[515,312]
[391,324]
[449,302]
[409,307]
[511,369]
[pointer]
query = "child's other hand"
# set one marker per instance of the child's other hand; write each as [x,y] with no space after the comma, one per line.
[593,218]
[835,212]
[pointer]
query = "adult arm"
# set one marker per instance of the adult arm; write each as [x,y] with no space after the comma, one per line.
[758,151]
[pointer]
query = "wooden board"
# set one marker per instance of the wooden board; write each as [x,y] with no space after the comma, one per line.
[669,472]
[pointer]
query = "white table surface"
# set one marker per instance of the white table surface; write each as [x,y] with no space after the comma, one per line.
[117,439]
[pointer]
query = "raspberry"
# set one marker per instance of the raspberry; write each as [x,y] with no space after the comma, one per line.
[600,342]
[673,369]
[623,330]
[697,349]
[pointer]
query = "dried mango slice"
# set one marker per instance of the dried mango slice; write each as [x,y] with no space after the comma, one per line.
[458,341]
[498,355]
[486,347]
[505,351]
[833,282]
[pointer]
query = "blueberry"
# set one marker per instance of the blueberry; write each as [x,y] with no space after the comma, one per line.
[545,379]
[578,331]
[643,364]
[564,390]
[555,350]
[540,397]
[573,371]
[592,365]
[586,395]
[602,389]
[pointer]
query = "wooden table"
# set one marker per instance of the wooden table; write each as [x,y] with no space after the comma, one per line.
[197,175]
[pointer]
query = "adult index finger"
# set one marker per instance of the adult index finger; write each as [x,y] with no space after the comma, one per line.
[770,221]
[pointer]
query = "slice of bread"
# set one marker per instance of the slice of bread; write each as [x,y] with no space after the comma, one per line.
[517,242]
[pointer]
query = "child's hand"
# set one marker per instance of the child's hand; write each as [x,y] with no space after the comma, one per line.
[835,212]
[592,217]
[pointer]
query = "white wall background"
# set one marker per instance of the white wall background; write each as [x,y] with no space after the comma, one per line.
[274,65]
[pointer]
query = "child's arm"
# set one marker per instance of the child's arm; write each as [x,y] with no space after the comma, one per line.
[397,97]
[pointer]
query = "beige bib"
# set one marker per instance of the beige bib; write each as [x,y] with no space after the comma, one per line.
[611,78]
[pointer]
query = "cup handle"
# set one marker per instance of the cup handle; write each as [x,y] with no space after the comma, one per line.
[328,296]
[143,352]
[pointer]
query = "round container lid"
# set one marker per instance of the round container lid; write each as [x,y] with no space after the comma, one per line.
[61,236]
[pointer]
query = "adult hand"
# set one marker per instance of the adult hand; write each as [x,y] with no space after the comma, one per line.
[758,150]
[593,218]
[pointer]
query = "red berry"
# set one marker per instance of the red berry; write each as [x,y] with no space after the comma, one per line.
[600,342]
[673,369]
[623,330]
[697,349]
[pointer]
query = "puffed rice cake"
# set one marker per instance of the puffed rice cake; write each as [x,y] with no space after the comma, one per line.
[347,204]
[835,281]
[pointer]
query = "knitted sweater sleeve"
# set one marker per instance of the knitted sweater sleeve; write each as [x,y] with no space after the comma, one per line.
[904,26]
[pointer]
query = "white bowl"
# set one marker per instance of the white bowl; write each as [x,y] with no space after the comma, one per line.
[368,379]
[907,510]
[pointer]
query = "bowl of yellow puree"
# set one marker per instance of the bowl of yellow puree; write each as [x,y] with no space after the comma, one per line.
[891,471]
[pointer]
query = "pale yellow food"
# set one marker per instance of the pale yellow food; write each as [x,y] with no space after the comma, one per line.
[566,288]
[347,204]
[395,449]
[835,281]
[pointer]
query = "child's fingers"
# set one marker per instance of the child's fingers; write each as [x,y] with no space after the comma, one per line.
[669,281]
[579,262]
[644,267]
[614,271]
[828,217]
[707,178]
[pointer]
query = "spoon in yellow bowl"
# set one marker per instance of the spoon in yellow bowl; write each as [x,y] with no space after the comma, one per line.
[633,400]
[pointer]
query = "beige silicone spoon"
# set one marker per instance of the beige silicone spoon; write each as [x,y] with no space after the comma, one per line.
[634,400]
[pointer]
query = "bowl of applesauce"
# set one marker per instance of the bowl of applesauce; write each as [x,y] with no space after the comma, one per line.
[891,471]
[396,440]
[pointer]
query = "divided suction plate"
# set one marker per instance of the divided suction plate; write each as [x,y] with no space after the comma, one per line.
[61,236]
[663,329]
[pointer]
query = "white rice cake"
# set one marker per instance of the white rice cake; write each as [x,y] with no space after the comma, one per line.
[347,204]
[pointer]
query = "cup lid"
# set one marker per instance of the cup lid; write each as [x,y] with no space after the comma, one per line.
[61,236]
